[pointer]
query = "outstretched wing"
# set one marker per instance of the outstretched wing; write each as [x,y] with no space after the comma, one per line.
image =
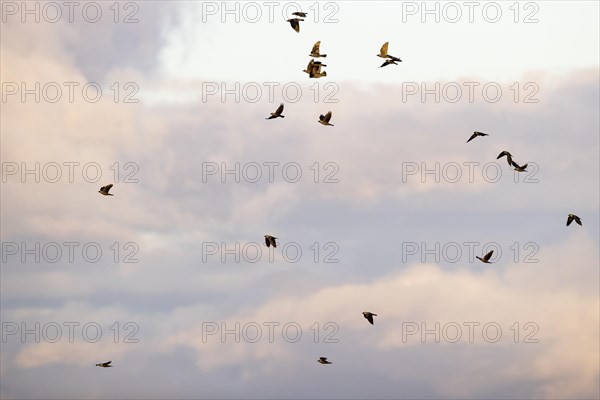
[488,255]
[327,117]
[279,109]
[384,49]
[316,48]
[473,136]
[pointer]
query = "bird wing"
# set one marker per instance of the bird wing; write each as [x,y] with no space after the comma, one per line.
[267,241]
[386,62]
[315,49]
[384,48]
[569,219]
[473,136]
[279,109]
[488,255]
[578,220]
[370,318]
[272,239]
[327,117]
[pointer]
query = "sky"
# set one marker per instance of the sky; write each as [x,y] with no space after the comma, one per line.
[385,211]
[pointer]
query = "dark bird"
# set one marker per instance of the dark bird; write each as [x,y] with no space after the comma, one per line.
[486,258]
[475,134]
[104,365]
[300,14]
[369,316]
[323,360]
[315,52]
[324,119]
[388,62]
[270,241]
[277,112]
[573,217]
[104,190]
[508,157]
[518,168]
[295,22]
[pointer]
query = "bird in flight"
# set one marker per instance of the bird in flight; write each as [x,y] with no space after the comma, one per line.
[369,316]
[518,168]
[388,62]
[104,190]
[486,258]
[508,157]
[315,52]
[313,69]
[277,112]
[573,217]
[300,14]
[383,53]
[475,134]
[270,241]
[323,360]
[104,365]
[324,119]
[295,23]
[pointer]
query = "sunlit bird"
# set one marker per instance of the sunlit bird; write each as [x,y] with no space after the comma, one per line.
[295,23]
[369,316]
[475,134]
[316,51]
[104,365]
[508,157]
[323,360]
[573,217]
[324,119]
[383,53]
[522,168]
[300,14]
[277,112]
[486,258]
[270,241]
[104,190]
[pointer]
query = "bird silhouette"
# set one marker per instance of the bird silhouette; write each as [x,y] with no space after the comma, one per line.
[295,23]
[277,112]
[104,365]
[323,360]
[475,134]
[104,190]
[369,316]
[508,157]
[270,241]
[324,119]
[518,168]
[573,217]
[486,258]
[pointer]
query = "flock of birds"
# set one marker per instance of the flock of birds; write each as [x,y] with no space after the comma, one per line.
[314,71]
